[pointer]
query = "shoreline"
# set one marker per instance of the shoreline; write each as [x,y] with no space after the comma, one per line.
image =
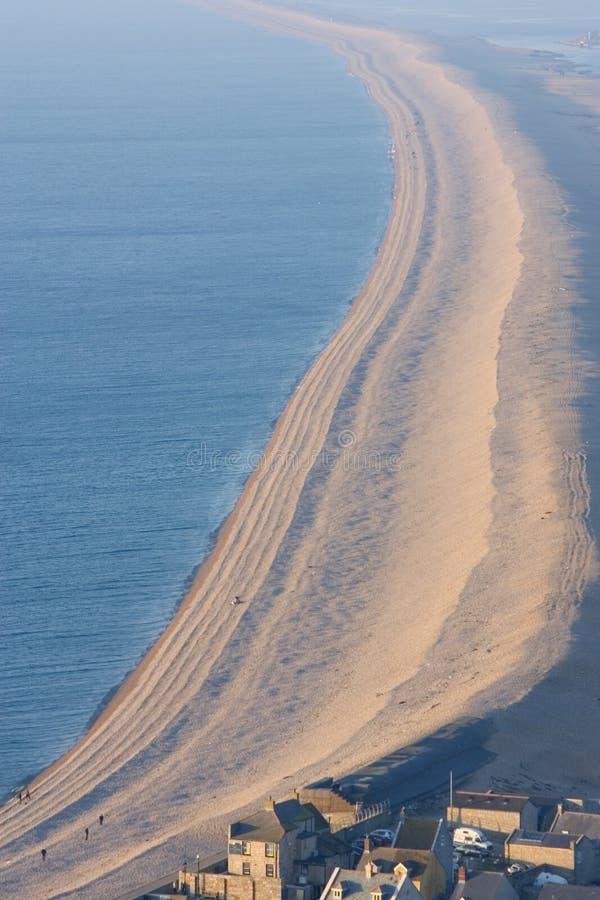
[413,371]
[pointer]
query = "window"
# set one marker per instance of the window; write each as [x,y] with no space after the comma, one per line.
[245,868]
[246,849]
[270,870]
[269,849]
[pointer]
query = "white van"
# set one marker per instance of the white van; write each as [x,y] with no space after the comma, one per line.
[472,840]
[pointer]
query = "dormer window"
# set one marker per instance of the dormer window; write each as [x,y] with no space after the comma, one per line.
[376,894]
[337,892]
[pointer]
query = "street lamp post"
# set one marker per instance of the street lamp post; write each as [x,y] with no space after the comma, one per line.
[185,884]
[198,875]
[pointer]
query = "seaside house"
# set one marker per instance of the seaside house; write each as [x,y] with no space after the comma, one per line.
[494,812]
[283,852]
[422,867]
[585,823]
[428,841]
[571,856]
[369,884]
[483,886]
[577,823]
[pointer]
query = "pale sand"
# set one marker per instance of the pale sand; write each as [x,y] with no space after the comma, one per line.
[583,90]
[411,575]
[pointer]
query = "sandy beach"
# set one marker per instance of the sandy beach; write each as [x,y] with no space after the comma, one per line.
[414,546]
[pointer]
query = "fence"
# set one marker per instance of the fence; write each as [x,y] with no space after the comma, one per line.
[361,813]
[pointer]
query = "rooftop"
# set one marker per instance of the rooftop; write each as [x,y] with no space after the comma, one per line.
[329,844]
[541,839]
[484,886]
[569,892]
[355,883]
[417,834]
[387,858]
[272,823]
[489,800]
[577,823]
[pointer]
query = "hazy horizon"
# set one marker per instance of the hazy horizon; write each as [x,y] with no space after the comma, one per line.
[66,20]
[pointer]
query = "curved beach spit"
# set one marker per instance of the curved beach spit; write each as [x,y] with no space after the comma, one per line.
[414,533]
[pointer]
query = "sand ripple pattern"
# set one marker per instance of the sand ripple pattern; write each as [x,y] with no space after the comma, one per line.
[423,340]
[580,546]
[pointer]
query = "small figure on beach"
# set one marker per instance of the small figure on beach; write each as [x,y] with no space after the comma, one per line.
[101,819]
[87,833]
[27,794]
[44,854]
[236,601]
[20,796]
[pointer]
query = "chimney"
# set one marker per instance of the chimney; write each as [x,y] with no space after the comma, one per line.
[368,847]
[370,869]
[270,804]
[462,874]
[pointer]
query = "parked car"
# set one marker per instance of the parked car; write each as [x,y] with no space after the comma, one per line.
[382,836]
[518,867]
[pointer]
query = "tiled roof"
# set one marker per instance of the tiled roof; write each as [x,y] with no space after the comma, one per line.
[578,823]
[260,826]
[387,858]
[569,892]
[477,800]
[417,834]
[271,824]
[357,884]
[484,886]
[541,839]
[331,844]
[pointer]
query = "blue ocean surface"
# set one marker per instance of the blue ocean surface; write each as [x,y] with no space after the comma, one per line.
[189,206]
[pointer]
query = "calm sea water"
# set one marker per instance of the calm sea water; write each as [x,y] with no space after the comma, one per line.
[189,206]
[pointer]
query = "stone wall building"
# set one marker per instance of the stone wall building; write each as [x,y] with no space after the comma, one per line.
[422,866]
[584,823]
[429,836]
[493,812]
[283,852]
[571,856]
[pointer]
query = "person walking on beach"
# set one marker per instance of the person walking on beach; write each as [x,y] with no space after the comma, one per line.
[87,833]
[44,854]
[27,794]
[101,819]
[20,796]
